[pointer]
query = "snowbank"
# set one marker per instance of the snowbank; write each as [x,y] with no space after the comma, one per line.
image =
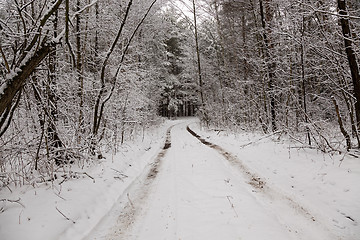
[72,209]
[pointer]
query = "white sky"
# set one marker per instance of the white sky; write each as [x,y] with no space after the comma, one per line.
[186,8]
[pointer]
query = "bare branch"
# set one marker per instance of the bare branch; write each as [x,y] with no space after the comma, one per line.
[43,21]
[67,32]
[97,116]
[122,60]
[5,61]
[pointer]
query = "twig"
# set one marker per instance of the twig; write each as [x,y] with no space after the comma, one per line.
[292,137]
[89,176]
[65,216]
[13,201]
[74,174]
[266,136]
[218,130]
[232,205]
[132,205]
[6,185]
[20,216]
[119,172]
[5,60]
[116,177]
[345,154]
[59,196]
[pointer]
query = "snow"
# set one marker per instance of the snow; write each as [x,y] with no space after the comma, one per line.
[193,191]
[82,200]
[322,183]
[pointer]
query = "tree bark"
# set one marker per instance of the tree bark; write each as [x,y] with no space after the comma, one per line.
[18,78]
[26,63]
[198,57]
[54,140]
[99,108]
[341,125]
[79,70]
[354,68]
[303,79]
[98,105]
[270,65]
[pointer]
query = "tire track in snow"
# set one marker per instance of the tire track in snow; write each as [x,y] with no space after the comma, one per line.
[254,180]
[154,170]
[260,184]
[129,211]
[133,208]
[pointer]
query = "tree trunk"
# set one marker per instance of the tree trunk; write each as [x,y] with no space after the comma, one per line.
[53,137]
[303,79]
[19,78]
[270,65]
[342,129]
[98,109]
[79,71]
[26,64]
[354,68]
[220,61]
[198,57]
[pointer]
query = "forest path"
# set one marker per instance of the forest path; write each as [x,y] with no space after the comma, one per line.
[196,190]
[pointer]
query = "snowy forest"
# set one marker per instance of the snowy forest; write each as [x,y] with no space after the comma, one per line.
[82,78]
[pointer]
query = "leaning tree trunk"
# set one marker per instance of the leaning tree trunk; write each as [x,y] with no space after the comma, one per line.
[17,80]
[354,68]
[25,66]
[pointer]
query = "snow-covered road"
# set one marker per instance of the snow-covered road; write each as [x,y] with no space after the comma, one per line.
[192,191]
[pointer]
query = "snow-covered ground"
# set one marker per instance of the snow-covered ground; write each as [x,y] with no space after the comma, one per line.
[84,201]
[324,186]
[189,190]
